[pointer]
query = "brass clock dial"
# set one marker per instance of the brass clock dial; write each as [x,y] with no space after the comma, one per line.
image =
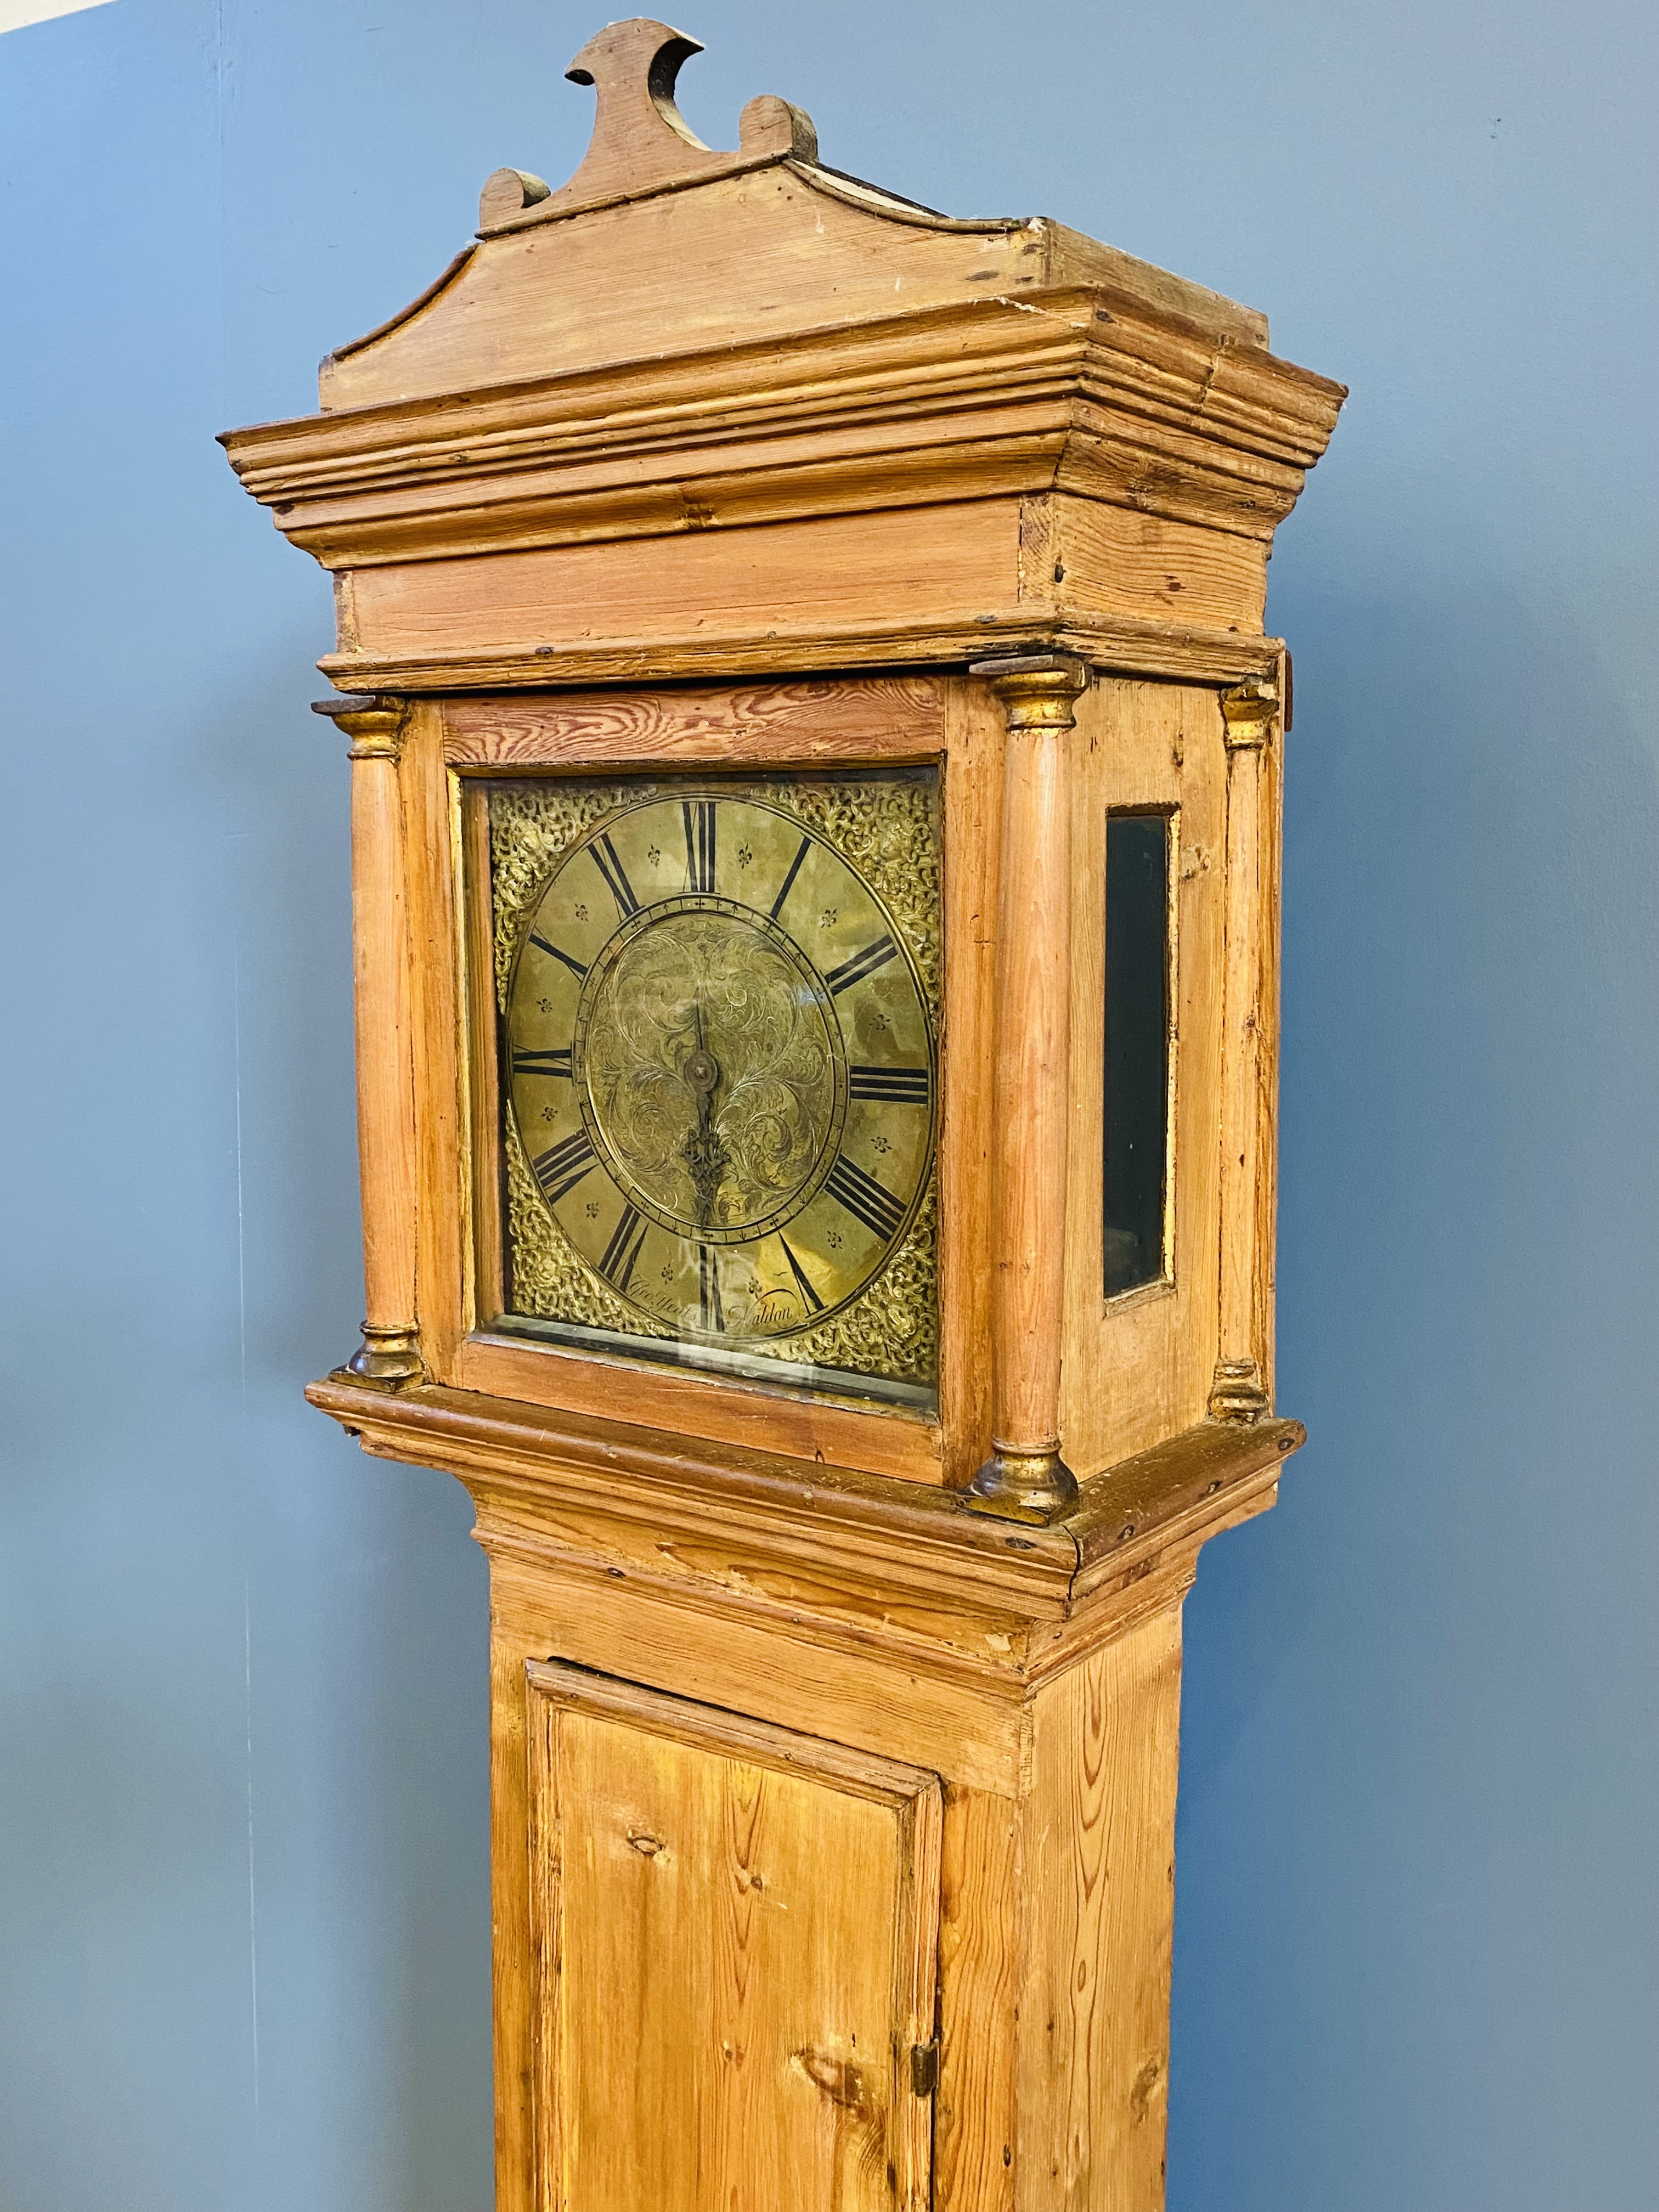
[719,1061]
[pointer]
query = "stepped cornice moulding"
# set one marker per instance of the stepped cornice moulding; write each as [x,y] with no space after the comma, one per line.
[1074,390]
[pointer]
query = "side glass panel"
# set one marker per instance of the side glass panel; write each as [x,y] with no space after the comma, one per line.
[1135,1240]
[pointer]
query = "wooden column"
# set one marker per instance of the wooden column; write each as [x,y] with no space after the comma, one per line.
[1025,1476]
[1239,1392]
[390,1351]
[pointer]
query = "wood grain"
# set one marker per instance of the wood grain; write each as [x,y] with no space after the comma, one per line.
[583,1589]
[1265,1314]
[923,566]
[520,1967]
[815,1429]
[926,565]
[1249,1054]
[385,1101]
[739,259]
[737,1930]
[889,720]
[1119,644]
[716,462]
[887,1548]
[431,834]
[1063,391]
[484,1281]
[455,1059]
[1093,558]
[759,1661]
[1213,1475]
[1094,2016]
[641,140]
[1031,1085]
[973,815]
[974,2120]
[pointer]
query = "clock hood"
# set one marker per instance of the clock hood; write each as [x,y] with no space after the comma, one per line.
[682,348]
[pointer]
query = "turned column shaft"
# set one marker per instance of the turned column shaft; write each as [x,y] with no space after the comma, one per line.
[386,1094]
[1025,1475]
[1239,1392]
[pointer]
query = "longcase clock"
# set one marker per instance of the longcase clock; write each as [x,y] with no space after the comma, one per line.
[815,768]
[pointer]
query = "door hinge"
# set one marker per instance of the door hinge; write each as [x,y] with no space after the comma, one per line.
[924,2067]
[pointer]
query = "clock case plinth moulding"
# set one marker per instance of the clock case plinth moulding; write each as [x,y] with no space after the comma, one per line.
[728,462]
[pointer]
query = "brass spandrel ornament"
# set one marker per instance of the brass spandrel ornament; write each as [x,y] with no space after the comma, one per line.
[718,1013]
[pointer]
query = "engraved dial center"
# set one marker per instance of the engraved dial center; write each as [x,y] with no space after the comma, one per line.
[709,1053]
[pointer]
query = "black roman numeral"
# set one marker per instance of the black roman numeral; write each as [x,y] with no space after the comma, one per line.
[864,1199]
[909,1086]
[808,1297]
[563,1166]
[861,964]
[708,1288]
[542,1063]
[606,860]
[575,966]
[788,884]
[700,845]
[622,1253]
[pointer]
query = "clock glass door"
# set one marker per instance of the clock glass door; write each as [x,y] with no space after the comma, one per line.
[717,1007]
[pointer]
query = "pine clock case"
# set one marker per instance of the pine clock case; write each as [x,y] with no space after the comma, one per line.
[721,461]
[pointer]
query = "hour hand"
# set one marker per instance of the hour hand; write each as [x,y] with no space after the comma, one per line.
[702,1070]
[703,1152]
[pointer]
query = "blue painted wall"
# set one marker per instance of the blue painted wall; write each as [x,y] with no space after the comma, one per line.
[243,1913]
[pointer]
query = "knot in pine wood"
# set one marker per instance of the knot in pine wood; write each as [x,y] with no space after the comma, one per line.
[842,2081]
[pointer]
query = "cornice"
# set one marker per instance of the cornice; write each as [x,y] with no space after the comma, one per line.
[1079,389]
